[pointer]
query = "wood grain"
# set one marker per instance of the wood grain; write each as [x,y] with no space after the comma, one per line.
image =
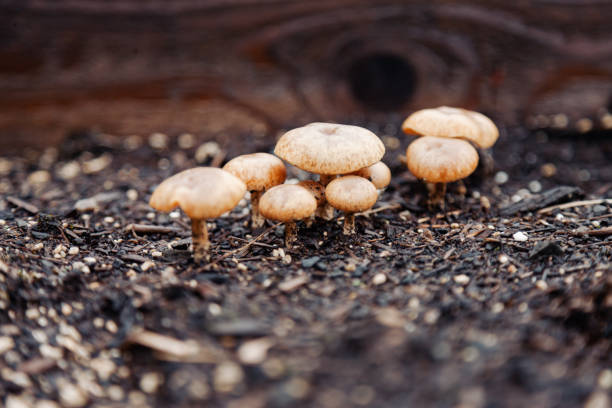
[254,67]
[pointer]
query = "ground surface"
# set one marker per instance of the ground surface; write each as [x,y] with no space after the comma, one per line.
[420,309]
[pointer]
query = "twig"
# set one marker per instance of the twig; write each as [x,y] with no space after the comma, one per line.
[597,232]
[582,203]
[17,202]
[151,229]
[248,244]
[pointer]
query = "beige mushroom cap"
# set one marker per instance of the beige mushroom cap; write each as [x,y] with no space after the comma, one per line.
[378,173]
[287,202]
[446,121]
[201,192]
[440,159]
[259,171]
[329,148]
[351,194]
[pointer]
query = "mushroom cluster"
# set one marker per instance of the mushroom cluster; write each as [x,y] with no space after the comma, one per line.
[346,160]
[327,150]
[444,152]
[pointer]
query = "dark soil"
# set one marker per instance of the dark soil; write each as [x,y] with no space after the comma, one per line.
[419,309]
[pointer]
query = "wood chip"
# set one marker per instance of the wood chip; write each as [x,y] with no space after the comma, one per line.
[169,346]
[17,202]
[292,284]
[151,229]
[573,204]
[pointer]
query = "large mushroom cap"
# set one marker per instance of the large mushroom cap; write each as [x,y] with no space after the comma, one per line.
[287,202]
[259,171]
[351,194]
[201,192]
[441,160]
[446,121]
[378,173]
[329,148]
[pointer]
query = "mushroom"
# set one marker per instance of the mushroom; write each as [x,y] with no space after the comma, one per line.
[259,171]
[440,160]
[202,193]
[329,149]
[378,173]
[351,194]
[288,203]
[446,121]
[318,192]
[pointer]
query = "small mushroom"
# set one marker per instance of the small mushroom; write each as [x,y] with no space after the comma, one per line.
[329,149]
[288,203]
[202,193]
[259,171]
[318,192]
[351,194]
[378,173]
[446,121]
[440,160]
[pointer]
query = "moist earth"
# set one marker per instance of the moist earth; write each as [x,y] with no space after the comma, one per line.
[501,299]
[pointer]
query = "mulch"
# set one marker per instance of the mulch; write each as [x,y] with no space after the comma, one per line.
[502,299]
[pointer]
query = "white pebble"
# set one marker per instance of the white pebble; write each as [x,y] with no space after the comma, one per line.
[158,141]
[379,279]
[535,186]
[520,236]
[73,250]
[461,279]
[501,177]
[146,265]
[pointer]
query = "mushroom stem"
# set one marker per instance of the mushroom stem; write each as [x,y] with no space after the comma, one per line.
[290,233]
[349,224]
[437,191]
[257,220]
[326,178]
[199,237]
[325,210]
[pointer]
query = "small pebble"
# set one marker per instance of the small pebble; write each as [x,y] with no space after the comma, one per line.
[535,186]
[149,382]
[520,236]
[227,376]
[146,265]
[379,279]
[501,177]
[461,279]
[73,250]
[6,344]
[158,141]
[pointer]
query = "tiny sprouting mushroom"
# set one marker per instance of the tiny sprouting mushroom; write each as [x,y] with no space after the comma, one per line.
[378,173]
[259,171]
[450,122]
[329,149]
[202,193]
[351,194]
[440,160]
[318,191]
[288,203]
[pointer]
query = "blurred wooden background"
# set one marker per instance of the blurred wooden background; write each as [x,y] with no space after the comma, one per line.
[253,67]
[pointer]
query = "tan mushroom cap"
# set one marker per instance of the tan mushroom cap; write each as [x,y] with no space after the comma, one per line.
[378,173]
[440,159]
[351,194]
[287,202]
[446,121]
[259,171]
[201,192]
[329,148]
